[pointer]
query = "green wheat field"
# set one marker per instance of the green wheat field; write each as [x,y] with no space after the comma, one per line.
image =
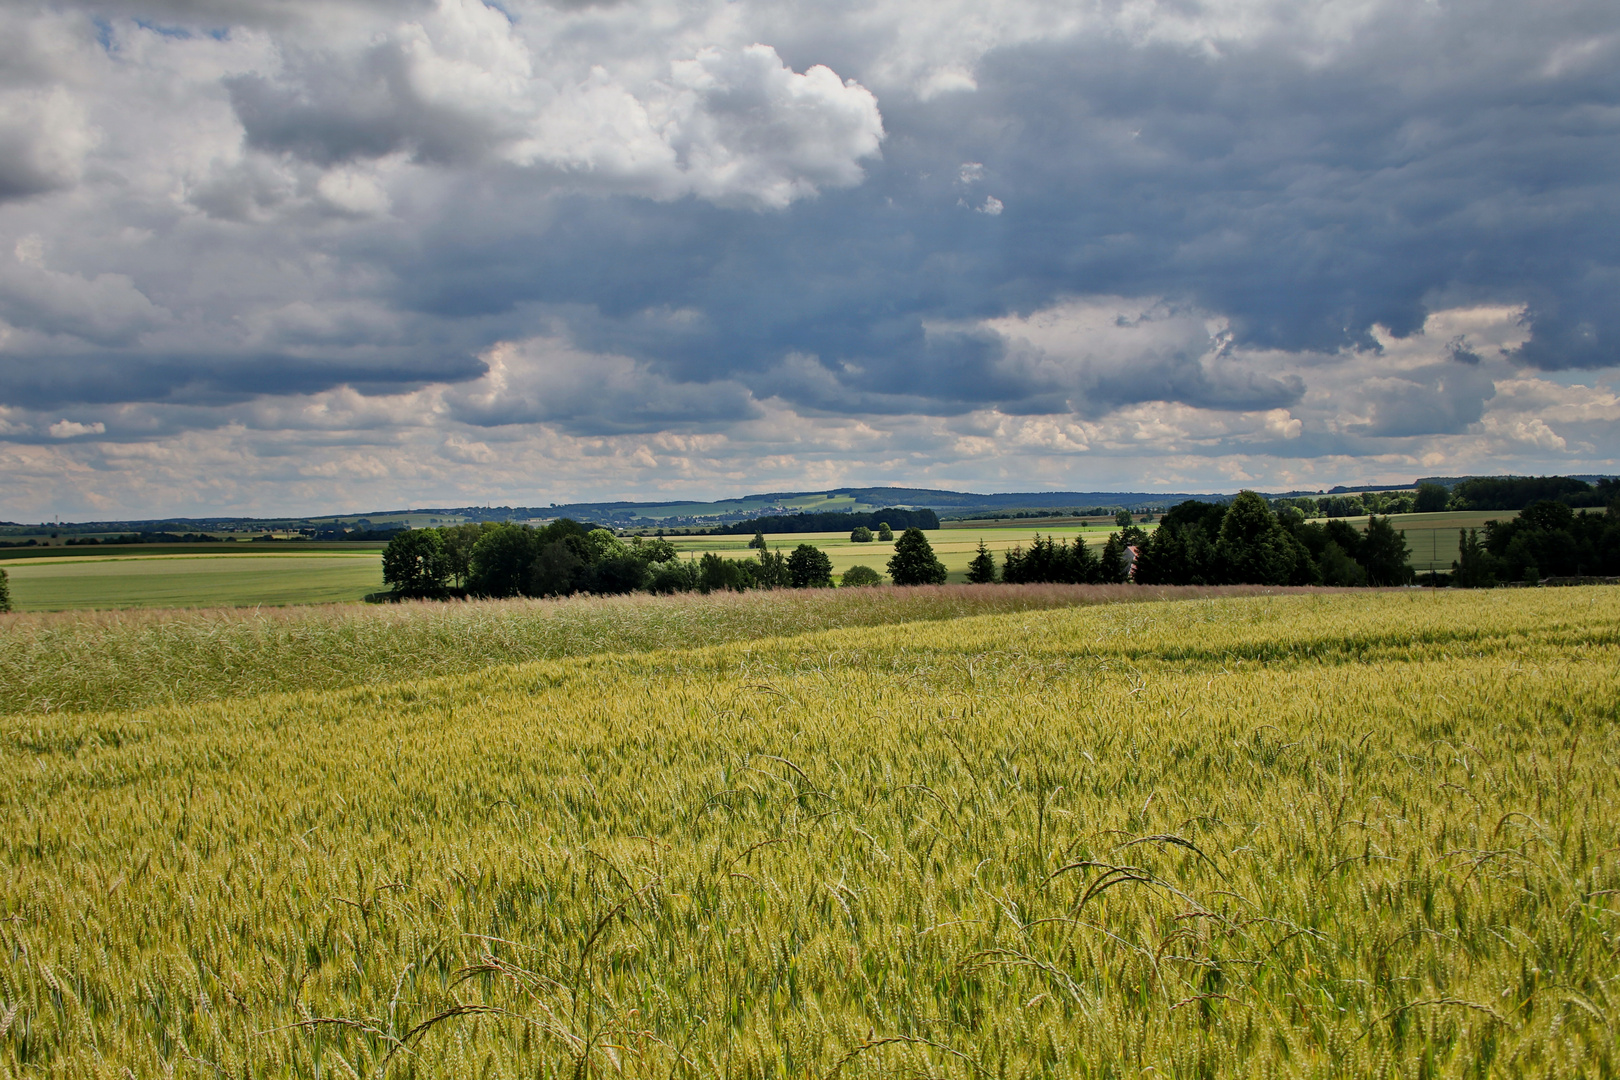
[1306,835]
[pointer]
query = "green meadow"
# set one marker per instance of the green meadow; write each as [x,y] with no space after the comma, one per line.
[77,582]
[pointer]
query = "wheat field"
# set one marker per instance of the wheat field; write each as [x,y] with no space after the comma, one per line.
[87,660]
[1365,834]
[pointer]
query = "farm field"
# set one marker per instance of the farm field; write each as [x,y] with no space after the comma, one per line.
[89,661]
[1431,537]
[247,578]
[58,579]
[955,547]
[1354,834]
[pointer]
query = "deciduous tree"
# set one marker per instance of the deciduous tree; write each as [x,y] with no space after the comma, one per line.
[1384,553]
[501,560]
[809,568]
[914,561]
[414,563]
[1431,498]
[1253,548]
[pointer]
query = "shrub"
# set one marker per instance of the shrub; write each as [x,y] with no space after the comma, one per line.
[860,576]
[884,533]
[674,576]
[718,574]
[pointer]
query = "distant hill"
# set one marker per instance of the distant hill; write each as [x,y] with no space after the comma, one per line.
[715,513]
[856,500]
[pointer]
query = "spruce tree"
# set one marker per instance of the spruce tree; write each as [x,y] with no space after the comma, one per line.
[1112,571]
[982,570]
[1474,567]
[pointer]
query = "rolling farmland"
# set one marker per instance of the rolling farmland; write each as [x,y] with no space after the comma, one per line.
[56,579]
[1366,834]
[955,547]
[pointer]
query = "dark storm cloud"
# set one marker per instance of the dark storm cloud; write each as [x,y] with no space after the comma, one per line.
[100,378]
[328,111]
[1439,399]
[1306,200]
[21,173]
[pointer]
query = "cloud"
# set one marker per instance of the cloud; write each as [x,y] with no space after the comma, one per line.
[70,429]
[1104,352]
[105,310]
[1022,244]
[460,87]
[44,137]
[547,380]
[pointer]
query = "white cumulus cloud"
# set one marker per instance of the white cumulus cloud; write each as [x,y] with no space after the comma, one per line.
[72,429]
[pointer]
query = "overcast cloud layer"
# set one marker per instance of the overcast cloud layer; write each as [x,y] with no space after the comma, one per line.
[315,255]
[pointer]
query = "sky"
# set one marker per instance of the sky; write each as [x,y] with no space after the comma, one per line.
[306,256]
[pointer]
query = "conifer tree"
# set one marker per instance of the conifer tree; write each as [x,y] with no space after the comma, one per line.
[982,570]
[1113,561]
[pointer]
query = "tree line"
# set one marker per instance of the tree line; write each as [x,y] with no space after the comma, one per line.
[833,521]
[1479,493]
[1244,542]
[566,557]
[1521,492]
[1547,539]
